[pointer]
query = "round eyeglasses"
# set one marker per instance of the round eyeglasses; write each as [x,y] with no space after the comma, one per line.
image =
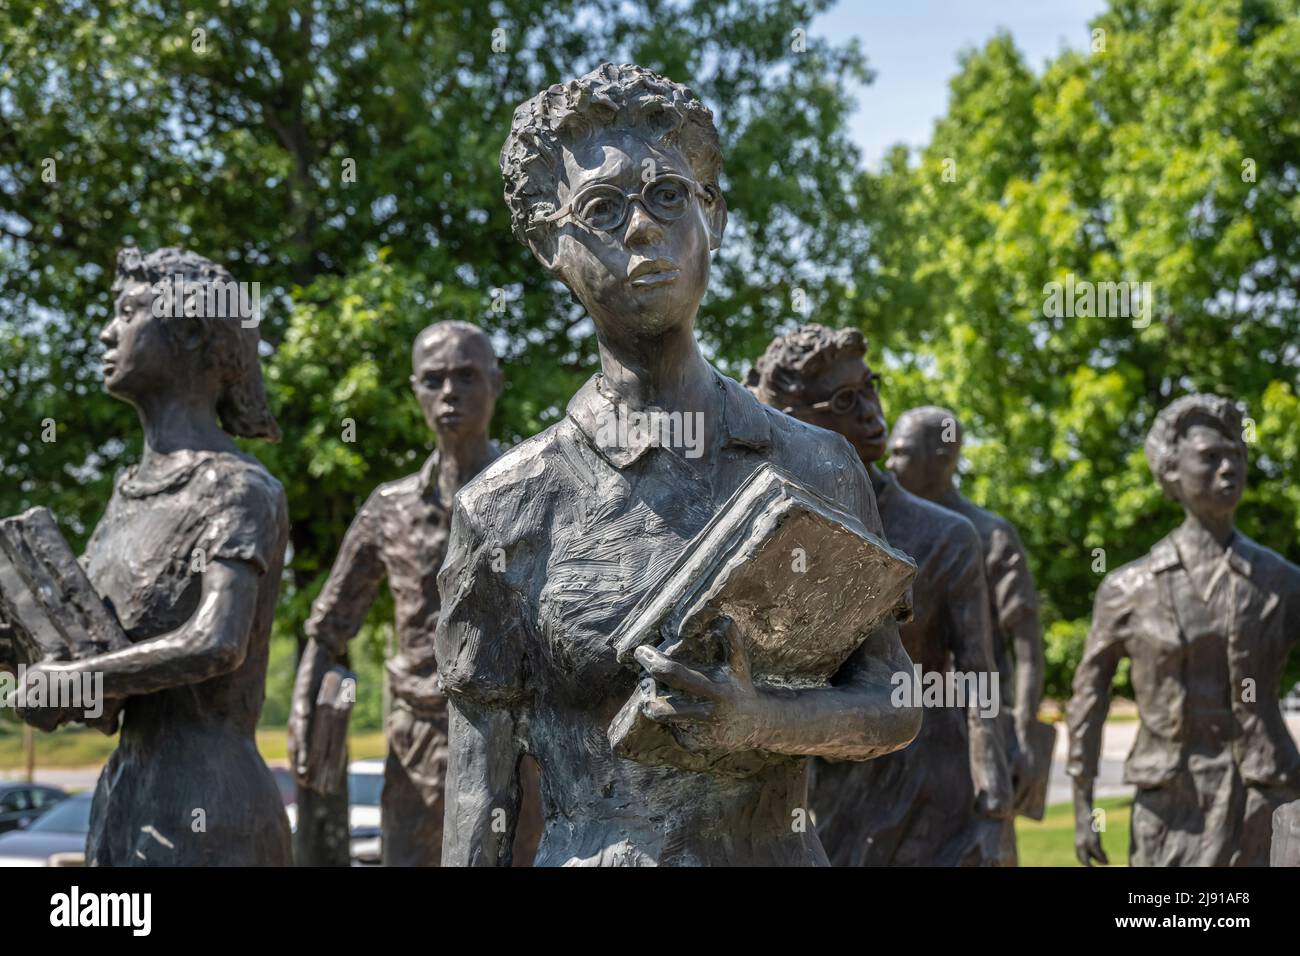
[605,206]
[844,400]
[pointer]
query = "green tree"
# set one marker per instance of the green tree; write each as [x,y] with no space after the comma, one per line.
[344,156]
[1168,153]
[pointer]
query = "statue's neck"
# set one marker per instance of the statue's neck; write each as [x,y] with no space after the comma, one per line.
[665,371]
[179,423]
[460,458]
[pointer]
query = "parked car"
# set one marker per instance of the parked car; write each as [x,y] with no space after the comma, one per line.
[365,784]
[22,803]
[56,838]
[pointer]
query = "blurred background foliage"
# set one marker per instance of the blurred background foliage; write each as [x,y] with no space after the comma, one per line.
[1128,162]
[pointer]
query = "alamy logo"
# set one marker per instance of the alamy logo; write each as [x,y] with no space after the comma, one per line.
[623,428]
[214,299]
[80,692]
[72,909]
[1104,300]
[959,689]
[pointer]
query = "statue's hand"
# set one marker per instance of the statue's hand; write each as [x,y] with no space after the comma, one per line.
[722,707]
[1087,840]
[40,684]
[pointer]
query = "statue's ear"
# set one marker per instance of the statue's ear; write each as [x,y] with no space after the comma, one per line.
[714,208]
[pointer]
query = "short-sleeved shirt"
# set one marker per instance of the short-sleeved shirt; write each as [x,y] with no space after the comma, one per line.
[551,547]
[189,746]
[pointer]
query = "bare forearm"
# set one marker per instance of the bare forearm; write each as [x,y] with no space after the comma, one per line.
[210,643]
[852,722]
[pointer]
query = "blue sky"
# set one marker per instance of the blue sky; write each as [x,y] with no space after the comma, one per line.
[912,45]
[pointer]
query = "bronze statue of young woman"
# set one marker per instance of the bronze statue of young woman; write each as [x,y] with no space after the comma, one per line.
[188,556]
[612,181]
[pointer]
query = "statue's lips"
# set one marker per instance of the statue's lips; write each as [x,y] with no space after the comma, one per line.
[654,272]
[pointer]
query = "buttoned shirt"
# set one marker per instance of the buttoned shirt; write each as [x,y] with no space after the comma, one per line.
[1207,660]
[551,548]
[400,533]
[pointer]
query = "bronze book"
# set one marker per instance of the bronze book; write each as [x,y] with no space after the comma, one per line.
[327,751]
[1033,801]
[804,581]
[51,609]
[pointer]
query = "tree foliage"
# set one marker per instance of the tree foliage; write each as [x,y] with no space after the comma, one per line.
[1167,153]
[235,129]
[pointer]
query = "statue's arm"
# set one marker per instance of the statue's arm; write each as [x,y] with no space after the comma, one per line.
[212,642]
[481,666]
[336,616]
[1086,712]
[482,797]
[1017,603]
[971,625]
[352,586]
[855,718]
[1102,652]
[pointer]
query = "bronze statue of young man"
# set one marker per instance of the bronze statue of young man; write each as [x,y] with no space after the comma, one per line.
[188,556]
[612,181]
[1207,618]
[400,534]
[923,454]
[943,800]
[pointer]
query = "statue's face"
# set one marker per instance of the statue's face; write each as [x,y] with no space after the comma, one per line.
[1209,471]
[140,358]
[457,383]
[647,275]
[850,405]
[916,457]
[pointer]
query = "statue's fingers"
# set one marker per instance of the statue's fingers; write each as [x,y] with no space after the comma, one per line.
[737,653]
[674,674]
[672,710]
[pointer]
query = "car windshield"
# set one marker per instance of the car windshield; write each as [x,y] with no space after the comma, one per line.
[69,816]
[363,788]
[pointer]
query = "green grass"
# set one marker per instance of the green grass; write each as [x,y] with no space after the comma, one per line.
[79,747]
[1050,842]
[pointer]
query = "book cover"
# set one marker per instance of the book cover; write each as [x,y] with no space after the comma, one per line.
[327,749]
[49,608]
[804,581]
[1033,799]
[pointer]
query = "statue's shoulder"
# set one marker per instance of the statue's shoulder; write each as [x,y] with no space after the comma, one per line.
[1130,580]
[238,475]
[1267,565]
[823,458]
[513,495]
[954,527]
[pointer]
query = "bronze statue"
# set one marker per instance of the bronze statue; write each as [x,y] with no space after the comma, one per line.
[942,800]
[612,182]
[401,533]
[1207,618]
[188,556]
[923,455]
